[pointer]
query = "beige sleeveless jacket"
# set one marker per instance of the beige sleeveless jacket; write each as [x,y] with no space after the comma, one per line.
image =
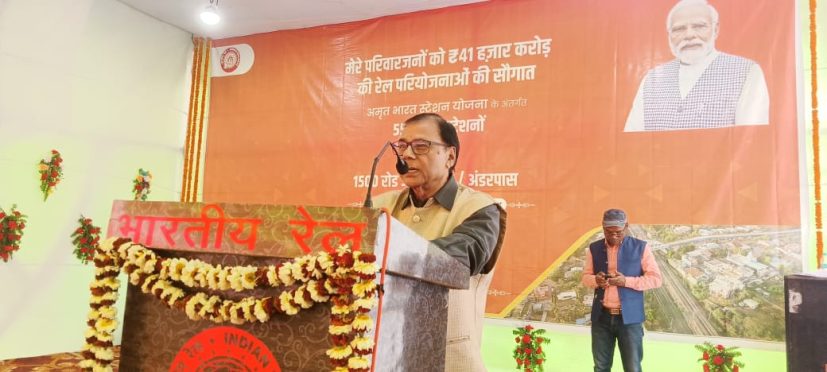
[466,308]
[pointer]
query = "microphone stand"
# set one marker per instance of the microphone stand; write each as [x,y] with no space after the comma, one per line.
[368,202]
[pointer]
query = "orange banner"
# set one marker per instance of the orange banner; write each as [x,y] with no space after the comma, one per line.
[541,93]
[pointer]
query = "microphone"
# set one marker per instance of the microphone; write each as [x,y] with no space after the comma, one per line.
[401,167]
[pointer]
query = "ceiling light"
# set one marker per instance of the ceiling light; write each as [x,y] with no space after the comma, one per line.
[210,14]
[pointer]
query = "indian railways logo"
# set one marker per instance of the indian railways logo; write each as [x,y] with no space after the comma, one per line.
[230,59]
[224,349]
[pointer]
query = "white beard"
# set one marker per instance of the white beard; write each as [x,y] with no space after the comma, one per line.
[694,55]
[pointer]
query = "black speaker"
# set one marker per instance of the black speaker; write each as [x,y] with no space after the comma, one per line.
[805,310]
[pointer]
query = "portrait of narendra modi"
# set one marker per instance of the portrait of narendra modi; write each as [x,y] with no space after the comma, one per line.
[701,88]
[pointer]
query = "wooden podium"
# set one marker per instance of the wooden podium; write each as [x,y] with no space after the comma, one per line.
[410,322]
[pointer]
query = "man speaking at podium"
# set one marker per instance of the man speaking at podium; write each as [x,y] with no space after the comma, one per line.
[466,224]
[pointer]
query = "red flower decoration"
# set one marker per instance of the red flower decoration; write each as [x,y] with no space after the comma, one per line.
[85,239]
[140,185]
[11,231]
[528,352]
[719,358]
[51,172]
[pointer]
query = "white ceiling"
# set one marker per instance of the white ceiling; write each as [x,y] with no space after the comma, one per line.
[245,17]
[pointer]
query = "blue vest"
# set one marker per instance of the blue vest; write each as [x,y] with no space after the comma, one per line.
[628,263]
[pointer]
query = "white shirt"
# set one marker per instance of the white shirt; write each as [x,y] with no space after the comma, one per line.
[753,104]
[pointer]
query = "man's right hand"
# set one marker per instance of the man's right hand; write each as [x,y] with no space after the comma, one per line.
[601,280]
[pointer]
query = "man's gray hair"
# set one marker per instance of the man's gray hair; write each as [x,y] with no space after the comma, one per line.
[684,3]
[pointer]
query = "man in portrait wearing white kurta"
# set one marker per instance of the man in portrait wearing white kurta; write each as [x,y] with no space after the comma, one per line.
[702,87]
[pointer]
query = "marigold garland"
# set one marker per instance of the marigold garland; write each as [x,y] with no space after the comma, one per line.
[199,92]
[11,231]
[346,279]
[816,139]
[85,239]
[51,172]
[719,358]
[529,353]
[205,83]
[188,147]
[140,185]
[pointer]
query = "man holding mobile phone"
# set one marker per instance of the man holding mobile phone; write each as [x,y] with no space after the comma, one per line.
[619,268]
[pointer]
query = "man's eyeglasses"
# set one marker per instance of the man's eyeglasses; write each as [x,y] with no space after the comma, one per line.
[419,146]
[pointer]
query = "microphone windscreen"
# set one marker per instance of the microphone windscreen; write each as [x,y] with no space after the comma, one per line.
[401,166]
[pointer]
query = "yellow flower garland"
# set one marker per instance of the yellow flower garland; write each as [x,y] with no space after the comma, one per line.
[347,279]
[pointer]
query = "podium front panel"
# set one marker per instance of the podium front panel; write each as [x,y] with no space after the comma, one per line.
[155,336]
[412,332]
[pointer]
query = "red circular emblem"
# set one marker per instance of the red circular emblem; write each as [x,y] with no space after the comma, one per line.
[224,349]
[230,58]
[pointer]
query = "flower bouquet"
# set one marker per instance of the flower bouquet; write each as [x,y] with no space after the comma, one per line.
[719,358]
[529,353]
[51,172]
[85,239]
[140,186]
[11,231]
